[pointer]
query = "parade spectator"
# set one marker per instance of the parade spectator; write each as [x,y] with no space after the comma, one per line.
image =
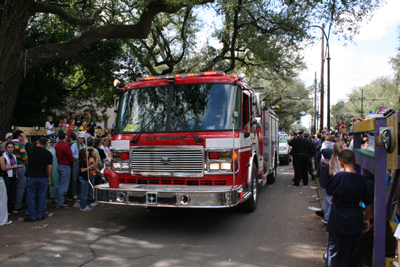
[86,176]
[54,174]
[8,140]
[92,122]
[65,161]
[350,137]
[334,165]
[38,173]
[75,147]
[317,148]
[22,157]
[346,225]
[90,144]
[3,204]
[329,142]
[8,163]
[71,126]
[102,154]
[107,149]
[72,117]
[86,117]
[63,125]
[49,125]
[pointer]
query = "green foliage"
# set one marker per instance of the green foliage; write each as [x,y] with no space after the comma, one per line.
[341,112]
[292,96]
[396,64]
[381,93]
[263,38]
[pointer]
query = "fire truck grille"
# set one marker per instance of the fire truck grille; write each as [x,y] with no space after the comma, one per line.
[176,161]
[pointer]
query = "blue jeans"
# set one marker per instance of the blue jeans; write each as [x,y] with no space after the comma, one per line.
[36,193]
[21,185]
[327,204]
[86,192]
[76,189]
[63,185]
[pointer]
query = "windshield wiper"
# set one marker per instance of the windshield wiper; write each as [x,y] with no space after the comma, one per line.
[185,123]
[154,119]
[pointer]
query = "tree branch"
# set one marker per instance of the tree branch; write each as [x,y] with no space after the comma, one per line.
[58,10]
[53,53]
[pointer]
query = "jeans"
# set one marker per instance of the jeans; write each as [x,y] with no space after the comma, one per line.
[21,185]
[327,204]
[11,185]
[76,188]
[65,176]
[86,192]
[36,193]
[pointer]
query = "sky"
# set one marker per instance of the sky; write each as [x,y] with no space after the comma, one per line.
[361,62]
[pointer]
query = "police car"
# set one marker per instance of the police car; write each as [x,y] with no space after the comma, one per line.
[284,149]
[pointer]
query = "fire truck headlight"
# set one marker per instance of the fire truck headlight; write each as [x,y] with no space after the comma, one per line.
[214,166]
[226,166]
[116,165]
[124,165]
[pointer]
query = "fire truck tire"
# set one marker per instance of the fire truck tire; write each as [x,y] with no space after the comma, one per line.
[272,177]
[251,204]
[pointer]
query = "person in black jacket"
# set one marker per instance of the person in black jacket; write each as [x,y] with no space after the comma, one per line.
[312,153]
[301,150]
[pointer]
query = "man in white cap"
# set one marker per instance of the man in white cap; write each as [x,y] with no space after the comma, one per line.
[8,139]
[75,171]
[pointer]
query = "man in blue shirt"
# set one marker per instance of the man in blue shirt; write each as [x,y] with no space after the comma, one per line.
[75,171]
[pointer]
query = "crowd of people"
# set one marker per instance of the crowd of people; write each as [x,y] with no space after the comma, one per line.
[343,190]
[44,171]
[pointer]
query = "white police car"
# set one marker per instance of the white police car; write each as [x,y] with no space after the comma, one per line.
[284,149]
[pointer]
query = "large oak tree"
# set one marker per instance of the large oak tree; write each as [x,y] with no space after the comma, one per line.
[258,33]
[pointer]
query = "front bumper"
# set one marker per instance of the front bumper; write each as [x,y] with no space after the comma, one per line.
[171,196]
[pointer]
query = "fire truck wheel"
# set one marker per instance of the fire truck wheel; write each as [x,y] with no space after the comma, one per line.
[251,204]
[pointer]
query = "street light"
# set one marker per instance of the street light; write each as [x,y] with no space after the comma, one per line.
[329,83]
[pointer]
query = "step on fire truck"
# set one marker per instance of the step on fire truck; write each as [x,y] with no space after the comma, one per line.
[195,140]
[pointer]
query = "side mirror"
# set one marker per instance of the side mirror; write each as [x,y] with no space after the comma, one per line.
[116,83]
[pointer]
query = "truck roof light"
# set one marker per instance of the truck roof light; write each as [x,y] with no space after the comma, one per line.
[182,75]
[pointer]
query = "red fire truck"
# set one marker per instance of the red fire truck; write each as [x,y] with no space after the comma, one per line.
[195,140]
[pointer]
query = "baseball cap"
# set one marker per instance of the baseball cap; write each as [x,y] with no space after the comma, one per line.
[306,135]
[81,135]
[8,135]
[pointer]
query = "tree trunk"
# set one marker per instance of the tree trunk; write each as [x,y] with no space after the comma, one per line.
[13,24]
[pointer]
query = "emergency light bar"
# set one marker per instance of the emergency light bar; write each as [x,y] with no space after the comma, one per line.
[182,75]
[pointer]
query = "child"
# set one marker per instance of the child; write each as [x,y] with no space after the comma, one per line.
[345,225]
[49,126]
[84,178]
[71,126]
[334,165]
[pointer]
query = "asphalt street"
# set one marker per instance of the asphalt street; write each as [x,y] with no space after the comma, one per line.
[283,231]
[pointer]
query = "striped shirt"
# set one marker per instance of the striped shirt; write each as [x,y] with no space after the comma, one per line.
[20,152]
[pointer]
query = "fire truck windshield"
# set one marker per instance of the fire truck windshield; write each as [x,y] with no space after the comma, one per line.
[199,107]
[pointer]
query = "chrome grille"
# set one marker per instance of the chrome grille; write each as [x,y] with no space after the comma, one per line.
[168,161]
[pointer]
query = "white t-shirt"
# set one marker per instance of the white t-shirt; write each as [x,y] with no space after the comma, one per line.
[337,165]
[397,233]
[49,128]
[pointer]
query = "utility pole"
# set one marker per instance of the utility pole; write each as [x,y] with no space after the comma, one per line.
[362,103]
[321,126]
[315,105]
